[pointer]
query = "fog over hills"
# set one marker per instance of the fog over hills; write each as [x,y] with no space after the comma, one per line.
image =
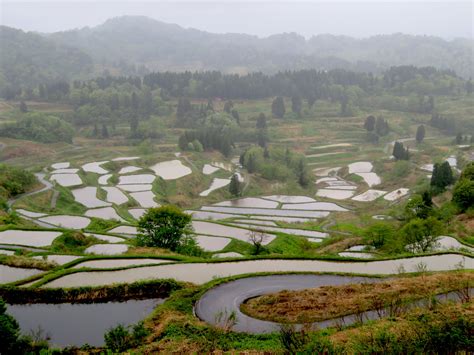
[137,44]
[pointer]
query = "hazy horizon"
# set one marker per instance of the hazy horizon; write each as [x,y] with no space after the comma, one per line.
[355,19]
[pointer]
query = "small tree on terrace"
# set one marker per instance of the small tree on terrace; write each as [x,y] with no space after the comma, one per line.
[369,124]
[234,187]
[278,107]
[420,235]
[164,227]
[420,133]
[257,238]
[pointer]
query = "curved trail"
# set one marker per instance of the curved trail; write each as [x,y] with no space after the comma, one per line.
[40,177]
[200,273]
[226,299]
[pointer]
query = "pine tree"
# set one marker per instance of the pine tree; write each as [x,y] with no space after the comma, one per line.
[105,131]
[236,116]
[420,133]
[369,124]
[261,121]
[296,105]
[23,107]
[278,107]
[228,106]
[234,186]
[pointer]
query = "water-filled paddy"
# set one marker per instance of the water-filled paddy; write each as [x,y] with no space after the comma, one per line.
[104,213]
[107,238]
[87,196]
[208,169]
[300,232]
[395,195]
[225,231]
[136,179]
[256,221]
[29,238]
[204,272]
[369,195]
[124,230]
[103,180]
[135,188]
[326,171]
[107,249]
[58,259]
[66,171]
[289,199]
[267,212]
[212,243]
[63,165]
[129,169]
[65,221]
[349,254]
[12,274]
[215,184]
[251,202]
[137,212]
[360,167]
[95,167]
[114,195]
[118,263]
[230,254]
[66,180]
[371,179]
[30,213]
[79,324]
[315,206]
[145,199]
[171,170]
[335,194]
[125,158]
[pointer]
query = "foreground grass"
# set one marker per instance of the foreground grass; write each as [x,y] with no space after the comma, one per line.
[174,328]
[327,302]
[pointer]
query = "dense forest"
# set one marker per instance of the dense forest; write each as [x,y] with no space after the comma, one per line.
[139,45]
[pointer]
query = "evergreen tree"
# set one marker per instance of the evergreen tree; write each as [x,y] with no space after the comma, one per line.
[369,124]
[441,177]
[278,107]
[296,105]
[228,106]
[234,186]
[236,116]
[251,163]
[469,87]
[23,107]
[261,121]
[381,126]
[182,111]
[266,153]
[105,131]
[399,151]
[420,133]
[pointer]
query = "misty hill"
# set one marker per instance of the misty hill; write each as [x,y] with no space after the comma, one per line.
[161,46]
[137,45]
[29,59]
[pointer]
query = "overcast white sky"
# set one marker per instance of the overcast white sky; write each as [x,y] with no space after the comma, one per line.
[446,19]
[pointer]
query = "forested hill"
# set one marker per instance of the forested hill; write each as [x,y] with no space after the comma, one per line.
[138,45]
[28,59]
[162,46]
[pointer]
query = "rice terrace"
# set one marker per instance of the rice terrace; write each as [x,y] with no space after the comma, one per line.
[199,201]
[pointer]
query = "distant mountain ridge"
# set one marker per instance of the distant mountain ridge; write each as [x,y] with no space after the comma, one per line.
[136,45]
[161,46]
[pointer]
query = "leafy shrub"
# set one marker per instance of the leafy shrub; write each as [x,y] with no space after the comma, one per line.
[39,127]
